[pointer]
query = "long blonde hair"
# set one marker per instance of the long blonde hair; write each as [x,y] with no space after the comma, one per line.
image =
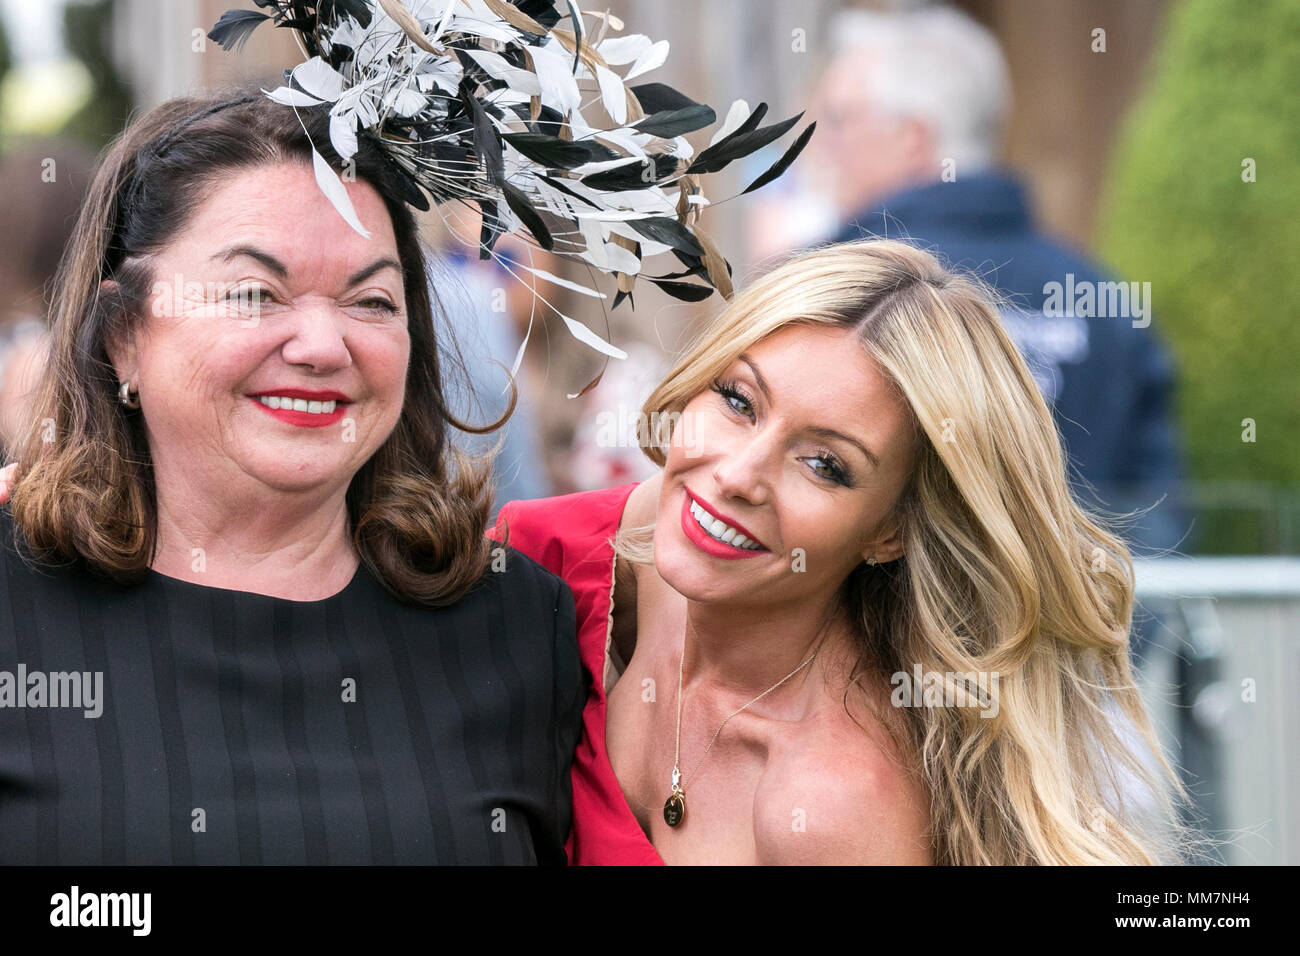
[1003,573]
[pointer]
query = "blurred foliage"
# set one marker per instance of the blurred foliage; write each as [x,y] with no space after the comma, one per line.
[6,59]
[1222,254]
[88,36]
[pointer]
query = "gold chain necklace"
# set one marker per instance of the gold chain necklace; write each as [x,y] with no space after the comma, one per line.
[675,805]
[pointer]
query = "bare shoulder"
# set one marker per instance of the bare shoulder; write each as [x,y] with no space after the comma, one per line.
[643,503]
[838,794]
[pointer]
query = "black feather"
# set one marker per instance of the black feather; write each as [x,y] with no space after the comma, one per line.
[577,35]
[522,208]
[686,291]
[234,28]
[668,231]
[782,164]
[739,144]
[559,184]
[632,175]
[670,123]
[491,228]
[657,97]
[543,11]
[558,153]
[486,144]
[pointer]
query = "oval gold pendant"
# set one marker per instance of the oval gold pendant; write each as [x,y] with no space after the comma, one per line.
[675,808]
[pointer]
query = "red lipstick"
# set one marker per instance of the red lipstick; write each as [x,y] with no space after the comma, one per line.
[305,419]
[709,544]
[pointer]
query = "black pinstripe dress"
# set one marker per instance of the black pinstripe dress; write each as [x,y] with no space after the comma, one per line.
[237,728]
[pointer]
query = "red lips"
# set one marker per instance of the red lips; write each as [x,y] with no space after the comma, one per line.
[305,393]
[732,522]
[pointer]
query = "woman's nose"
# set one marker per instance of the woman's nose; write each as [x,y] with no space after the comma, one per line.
[744,469]
[317,338]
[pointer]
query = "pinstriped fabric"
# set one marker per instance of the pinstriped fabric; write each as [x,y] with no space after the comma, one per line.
[166,710]
[370,783]
[109,748]
[295,731]
[229,694]
[242,729]
[41,842]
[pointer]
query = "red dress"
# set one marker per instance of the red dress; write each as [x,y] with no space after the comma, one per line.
[571,535]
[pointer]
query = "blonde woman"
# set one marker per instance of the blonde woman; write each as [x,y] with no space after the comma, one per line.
[858,617]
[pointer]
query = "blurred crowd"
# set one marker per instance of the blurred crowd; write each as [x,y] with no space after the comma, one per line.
[911,108]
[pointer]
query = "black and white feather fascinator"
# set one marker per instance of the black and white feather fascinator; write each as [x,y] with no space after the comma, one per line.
[479,101]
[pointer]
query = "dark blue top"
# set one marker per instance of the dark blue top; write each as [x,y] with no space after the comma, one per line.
[238,728]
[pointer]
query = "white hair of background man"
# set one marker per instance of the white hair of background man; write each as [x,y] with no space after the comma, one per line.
[936,64]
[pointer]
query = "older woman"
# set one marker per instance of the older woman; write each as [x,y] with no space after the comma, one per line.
[247,611]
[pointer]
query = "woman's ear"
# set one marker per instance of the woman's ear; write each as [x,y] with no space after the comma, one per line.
[120,349]
[888,547]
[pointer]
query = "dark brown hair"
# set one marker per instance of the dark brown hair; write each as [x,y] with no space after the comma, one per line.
[417,509]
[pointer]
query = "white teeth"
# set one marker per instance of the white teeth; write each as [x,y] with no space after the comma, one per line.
[721,531]
[298,404]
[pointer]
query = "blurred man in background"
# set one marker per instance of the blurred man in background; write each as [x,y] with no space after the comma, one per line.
[911,109]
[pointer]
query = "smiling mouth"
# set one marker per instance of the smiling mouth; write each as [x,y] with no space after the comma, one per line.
[305,413]
[299,404]
[720,531]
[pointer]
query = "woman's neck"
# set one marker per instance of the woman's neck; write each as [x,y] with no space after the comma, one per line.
[282,544]
[746,654]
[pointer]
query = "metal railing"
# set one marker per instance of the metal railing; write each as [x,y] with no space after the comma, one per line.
[1219,673]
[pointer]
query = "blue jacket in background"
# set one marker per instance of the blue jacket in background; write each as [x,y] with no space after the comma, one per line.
[1109,383]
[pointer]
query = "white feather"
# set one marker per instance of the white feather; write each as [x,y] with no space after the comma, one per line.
[627,139]
[500,68]
[652,59]
[343,132]
[738,113]
[565,283]
[599,167]
[336,192]
[319,79]
[291,97]
[611,94]
[619,50]
[588,337]
[559,88]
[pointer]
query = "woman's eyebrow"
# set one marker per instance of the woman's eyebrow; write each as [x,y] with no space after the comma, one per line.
[279,268]
[376,266]
[268,260]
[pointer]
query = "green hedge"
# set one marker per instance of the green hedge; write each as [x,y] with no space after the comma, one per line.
[1222,255]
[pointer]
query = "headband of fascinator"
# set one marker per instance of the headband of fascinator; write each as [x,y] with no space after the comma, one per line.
[478,101]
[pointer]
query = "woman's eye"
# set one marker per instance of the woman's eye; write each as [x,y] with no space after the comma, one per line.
[825,466]
[740,405]
[734,398]
[249,296]
[378,305]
